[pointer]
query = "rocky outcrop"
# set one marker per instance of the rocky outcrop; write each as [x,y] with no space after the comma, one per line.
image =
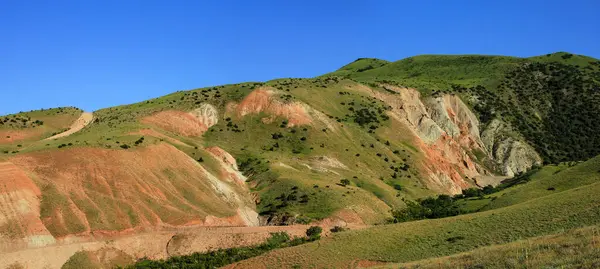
[448,134]
[511,155]
[193,123]
[263,100]
[455,119]
[207,114]
[228,165]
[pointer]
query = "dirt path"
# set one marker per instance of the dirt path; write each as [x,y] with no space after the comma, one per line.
[154,245]
[84,120]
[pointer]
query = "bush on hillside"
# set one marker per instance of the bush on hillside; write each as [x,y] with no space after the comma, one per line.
[314,233]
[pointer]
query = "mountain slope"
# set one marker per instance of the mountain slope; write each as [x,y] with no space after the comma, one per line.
[346,147]
[33,125]
[410,241]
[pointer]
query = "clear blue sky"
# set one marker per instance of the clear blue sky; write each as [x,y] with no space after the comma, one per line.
[96,54]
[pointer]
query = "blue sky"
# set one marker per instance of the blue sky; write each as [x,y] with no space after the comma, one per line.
[96,54]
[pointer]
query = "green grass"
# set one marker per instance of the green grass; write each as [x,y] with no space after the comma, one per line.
[81,259]
[102,258]
[52,204]
[377,153]
[574,208]
[545,98]
[565,57]
[361,65]
[559,177]
[578,248]
[34,125]
[344,143]
[439,72]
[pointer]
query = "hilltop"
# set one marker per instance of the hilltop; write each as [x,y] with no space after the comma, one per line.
[343,149]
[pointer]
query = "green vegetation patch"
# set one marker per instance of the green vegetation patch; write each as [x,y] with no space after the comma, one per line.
[222,257]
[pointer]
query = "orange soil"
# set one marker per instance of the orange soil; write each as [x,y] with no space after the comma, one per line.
[222,155]
[178,122]
[154,245]
[100,192]
[19,209]
[262,100]
[229,169]
[446,158]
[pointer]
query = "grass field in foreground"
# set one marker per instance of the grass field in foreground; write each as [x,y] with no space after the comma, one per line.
[418,240]
[549,180]
[578,248]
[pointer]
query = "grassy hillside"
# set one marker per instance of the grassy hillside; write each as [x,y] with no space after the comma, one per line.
[549,180]
[361,65]
[31,126]
[302,168]
[314,147]
[438,72]
[574,208]
[551,100]
[571,249]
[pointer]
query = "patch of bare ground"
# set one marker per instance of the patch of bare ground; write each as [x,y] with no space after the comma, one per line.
[89,193]
[263,100]
[85,119]
[178,122]
[153,245]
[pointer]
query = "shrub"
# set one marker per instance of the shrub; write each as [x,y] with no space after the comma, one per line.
[336,229]
[314,233]
[344,182]
[429,208]
[139,141]
[398,187]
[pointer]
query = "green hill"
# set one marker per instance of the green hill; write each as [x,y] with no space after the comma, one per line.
[348,147]
[552,213]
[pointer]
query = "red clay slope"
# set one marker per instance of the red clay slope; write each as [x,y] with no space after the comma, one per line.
[99,192]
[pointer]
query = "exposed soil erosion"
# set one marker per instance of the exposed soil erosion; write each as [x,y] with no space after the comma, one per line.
[154,245]
[443,130]
[19,210]
[194,123]
[90,192]
[263,100]
[510,155]
[228,164]
[448,134]
[456,119]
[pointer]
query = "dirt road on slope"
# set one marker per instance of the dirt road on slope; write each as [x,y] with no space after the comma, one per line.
[84,120]
[154,245]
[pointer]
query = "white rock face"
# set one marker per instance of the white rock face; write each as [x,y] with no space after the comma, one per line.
[455,119]
[511,155]
[207,114]
[407,107]
[450,133]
